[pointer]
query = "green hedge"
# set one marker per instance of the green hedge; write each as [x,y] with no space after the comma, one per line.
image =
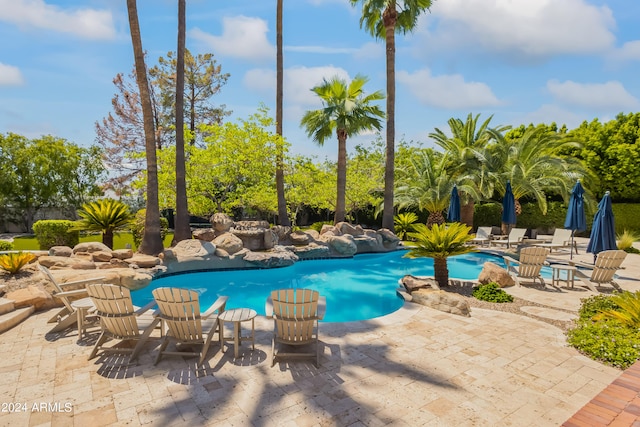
[6,245]
[627,217]
[55,232]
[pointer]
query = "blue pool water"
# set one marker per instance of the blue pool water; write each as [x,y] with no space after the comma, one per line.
[358,288]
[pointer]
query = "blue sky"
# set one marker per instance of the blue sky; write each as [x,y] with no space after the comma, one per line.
[521,60]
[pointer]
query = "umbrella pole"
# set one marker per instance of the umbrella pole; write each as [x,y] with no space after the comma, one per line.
[571,249]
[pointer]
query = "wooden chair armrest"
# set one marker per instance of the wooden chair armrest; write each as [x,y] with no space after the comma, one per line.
[146,308]
[322,307]
[268,307]
[73,293]
[509,260]
[81,282]
[218,306]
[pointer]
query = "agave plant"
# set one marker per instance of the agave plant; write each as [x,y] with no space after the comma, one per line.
[440,242]
[404,223]
[13,262]
[106,216]
[628,312]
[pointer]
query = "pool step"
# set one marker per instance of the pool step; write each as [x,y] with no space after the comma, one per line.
[6,305]
[13,318]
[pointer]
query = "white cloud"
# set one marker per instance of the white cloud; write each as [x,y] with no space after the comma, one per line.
[10,75]
[447,91]
[611,94]
[522,27]
[85,22]
[298,82]
[242,37]
[630,51]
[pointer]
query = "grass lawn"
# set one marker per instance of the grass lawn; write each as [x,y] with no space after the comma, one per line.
[120,241]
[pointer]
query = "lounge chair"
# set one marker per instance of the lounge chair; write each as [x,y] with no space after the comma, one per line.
[527,268]
[561,239]
[296,314]
[483,235]
[75,311]
[180,312]
[604,269]
[515,237]
[119,320]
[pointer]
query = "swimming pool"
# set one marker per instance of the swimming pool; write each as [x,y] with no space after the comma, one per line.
[358,288]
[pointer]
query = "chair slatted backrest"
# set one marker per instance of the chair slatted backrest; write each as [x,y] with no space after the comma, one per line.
[296,314]
[531,261]
[180,311]
[57,287]
[561,236]
[516,234]
[484,232]
[607,263]
[114,306]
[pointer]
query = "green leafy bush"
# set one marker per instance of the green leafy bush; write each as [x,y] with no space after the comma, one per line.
[318,225]
[55,232]
[607,339]
[403,223]
[486,214]
[491,292]
[5,245]
[13,262]
[627,217]
[137,227]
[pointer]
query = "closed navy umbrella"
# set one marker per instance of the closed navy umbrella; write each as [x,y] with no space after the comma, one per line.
[508,209]
[603,231]
[576,219]
[453,214]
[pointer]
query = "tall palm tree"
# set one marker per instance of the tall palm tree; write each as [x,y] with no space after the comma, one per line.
[151,241]
[382,18]
[426,184]
[182,229]
[348,111]
[531,164]
[283,217]
[465,151]
[440,242]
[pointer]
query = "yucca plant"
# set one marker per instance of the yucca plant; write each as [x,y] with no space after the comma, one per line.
[106,216]
[403,223]
[628,311]
[626,240]
[13,262]
[439,242]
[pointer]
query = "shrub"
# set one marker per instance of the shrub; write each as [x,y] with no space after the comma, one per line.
[5,245]
[105,216]
[487,214]
[318,225]
[626,240]
[605,338]
[403,223]
[137,227]
[55,233]
[13,262]
[628,311]
[627,216]
[491,292]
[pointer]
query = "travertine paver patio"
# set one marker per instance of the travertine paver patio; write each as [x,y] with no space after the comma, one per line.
[415,367]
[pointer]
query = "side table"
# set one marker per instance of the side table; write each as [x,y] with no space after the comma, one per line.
[570,274]
[237,316]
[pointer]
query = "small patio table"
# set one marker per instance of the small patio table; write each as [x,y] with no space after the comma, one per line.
[237,316]
[570,274]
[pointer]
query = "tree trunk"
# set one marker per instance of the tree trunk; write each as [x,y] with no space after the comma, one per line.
[466,213]
[283,217]
[342,177]
[107,238]
[389,17]
[151,239]
[182,229]
[441,271]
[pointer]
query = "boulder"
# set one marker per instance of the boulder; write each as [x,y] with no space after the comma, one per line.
[60,251]
[91,247]
[443,301]
[229,243]
[113,263]
[221,222]
[299,238]
[282,232]
[134,279]
[270,239]
[84,265]
[328,228]
[101,256]
[58,261]
[192,248]
[34,295]
[247,225]
[143,261]
[342,245]
[492,272]
[313,234]
[368,244]
[122,253]
[389,239]
[271,259]
[311,251]
[413,283]
[252,238]
[206,234]
[346,228]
